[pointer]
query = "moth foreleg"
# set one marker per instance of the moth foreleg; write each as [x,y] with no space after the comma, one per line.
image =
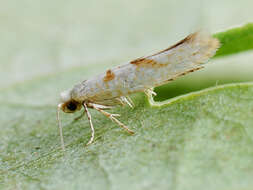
[112,117]
[102,107]
[91,125]
[80,116]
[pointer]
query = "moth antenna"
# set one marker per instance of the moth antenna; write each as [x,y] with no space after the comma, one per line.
[60,126]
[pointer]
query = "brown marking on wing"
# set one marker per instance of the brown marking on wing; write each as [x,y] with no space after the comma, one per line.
[184,73]
[109,76]
[137,61]
[189,38]
[144,62]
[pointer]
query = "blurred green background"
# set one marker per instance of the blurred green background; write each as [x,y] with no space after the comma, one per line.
[45,37]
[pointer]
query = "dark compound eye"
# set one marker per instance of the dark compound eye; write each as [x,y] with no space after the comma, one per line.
[71,106]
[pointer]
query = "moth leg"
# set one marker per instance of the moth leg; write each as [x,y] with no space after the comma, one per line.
[102,107]
[130,101]
[91,125]
[149,92]
[125,100]
[99,106]
[80,116]
[112,117]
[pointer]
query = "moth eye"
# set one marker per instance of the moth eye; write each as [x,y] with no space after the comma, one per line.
[71,106]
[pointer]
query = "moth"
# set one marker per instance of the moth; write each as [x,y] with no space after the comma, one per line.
[113,87]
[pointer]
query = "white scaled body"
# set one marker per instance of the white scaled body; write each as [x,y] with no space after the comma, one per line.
[112,87]
[147,72]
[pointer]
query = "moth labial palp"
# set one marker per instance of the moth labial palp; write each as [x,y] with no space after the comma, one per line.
[113,87]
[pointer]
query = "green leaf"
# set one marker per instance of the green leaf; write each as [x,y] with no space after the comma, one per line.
[201,140]
[235,40]
[187,143]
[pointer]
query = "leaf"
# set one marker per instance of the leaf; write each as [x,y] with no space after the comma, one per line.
[201,140]
[198,139]
[235,40]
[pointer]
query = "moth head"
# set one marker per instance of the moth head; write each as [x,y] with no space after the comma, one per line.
[68,105]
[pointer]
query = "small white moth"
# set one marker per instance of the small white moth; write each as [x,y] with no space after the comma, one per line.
[113,87]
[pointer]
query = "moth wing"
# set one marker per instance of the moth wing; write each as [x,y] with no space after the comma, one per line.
[196,48]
